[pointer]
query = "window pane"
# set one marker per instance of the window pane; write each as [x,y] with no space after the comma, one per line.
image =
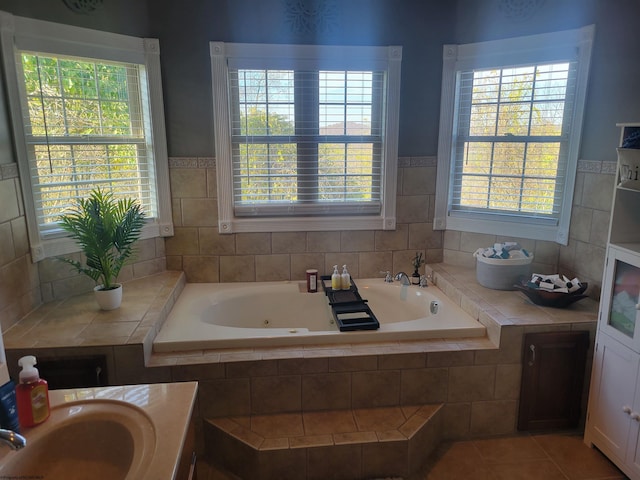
[306,110]
[86,129]
[266,172]
[519,174]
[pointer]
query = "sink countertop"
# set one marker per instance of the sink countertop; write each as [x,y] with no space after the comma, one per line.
[169,407]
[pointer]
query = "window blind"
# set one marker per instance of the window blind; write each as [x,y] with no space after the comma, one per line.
[306,142]
[86,125]
[511,140]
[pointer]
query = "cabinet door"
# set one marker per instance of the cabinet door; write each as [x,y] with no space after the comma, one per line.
[615,368]
[620,302]
[552,379]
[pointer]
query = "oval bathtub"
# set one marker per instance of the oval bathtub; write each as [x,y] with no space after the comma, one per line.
[222,315]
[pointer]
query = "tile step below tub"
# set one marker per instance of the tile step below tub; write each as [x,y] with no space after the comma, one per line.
[355,444]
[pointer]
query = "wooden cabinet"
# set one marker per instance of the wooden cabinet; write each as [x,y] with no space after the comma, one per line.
[552,379]
[613,416]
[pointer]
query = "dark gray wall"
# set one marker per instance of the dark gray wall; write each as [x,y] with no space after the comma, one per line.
[613,94]
[186,27]
[420,27]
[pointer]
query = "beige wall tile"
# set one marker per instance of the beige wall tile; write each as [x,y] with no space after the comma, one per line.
[357,241]
[375,389]
[272,268]
[392,239]
[240,268]
[212,183]
[282,393]
[467,384]
[323,241]
[7,251]
[370,264]
[288,242]
[183,242]
[580,223]
[597,192]
[419,181]
[20,237]
[253,243]
[212,243]
[599,228]
[224,397]
[199,212]
[424,386]
[188,182]
[327,391]
[201,268]
[412,209]
[9,200]
[508,382]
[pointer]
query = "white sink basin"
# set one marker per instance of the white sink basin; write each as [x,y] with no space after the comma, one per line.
[97,439]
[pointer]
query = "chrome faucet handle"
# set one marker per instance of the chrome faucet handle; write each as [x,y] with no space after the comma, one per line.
[388,278]
[13,439]
[423,281]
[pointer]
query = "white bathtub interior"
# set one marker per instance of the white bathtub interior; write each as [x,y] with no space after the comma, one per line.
[215,315]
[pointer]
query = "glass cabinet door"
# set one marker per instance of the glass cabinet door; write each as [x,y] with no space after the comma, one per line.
[620,300]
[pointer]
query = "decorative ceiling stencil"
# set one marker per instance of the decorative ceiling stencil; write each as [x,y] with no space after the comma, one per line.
[311,16]
[519,9]
[83,6]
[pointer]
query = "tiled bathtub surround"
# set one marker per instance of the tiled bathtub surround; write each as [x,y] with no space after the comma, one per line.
[206,256]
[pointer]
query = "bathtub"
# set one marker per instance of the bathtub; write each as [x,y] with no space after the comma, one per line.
[223,315]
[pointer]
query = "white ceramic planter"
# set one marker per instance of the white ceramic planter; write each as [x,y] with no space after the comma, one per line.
[108,299]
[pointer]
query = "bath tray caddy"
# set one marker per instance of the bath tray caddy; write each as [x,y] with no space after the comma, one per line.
[349,309]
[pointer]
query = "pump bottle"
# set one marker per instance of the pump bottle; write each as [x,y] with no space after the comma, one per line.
[32,394]
[336,280]
[345,278]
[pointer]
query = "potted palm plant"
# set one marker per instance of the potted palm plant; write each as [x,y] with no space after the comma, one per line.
[105,229]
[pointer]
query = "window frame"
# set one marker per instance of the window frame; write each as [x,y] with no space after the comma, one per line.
[570,45]
[299,57]
[42,37]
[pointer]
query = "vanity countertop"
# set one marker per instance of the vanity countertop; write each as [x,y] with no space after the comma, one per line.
[167,406]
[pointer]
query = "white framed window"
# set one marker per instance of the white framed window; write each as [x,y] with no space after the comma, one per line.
[87,112]
[510,125]
[306,136]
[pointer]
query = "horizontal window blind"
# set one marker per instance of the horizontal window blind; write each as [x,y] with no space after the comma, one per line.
[306,142]
[86,125]
[511,140]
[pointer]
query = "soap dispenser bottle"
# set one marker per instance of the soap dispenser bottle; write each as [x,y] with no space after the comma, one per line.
[32,394]
[336,280]
[345,278]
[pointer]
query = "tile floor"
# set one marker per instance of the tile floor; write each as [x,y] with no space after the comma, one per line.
[524,457]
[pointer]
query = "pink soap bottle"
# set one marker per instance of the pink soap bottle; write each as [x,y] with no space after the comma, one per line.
[32,394]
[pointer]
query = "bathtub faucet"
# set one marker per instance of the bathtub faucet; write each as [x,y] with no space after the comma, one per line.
[403,277]
[13,439]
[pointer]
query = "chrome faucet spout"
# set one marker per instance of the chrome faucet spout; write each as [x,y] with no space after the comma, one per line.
[403,277]
[13,439]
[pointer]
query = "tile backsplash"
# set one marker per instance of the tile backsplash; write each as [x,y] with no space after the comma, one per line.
[206,256]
